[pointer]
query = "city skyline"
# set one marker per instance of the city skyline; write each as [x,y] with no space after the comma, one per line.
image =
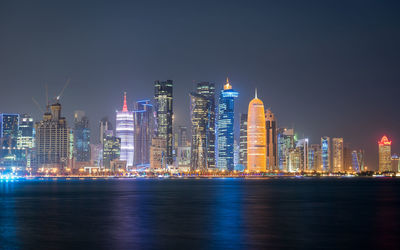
[321,83]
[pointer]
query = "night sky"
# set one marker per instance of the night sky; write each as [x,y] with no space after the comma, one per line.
[323,67]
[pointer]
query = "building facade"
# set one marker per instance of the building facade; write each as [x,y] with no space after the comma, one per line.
[337,155]
[243,140]
[285,144]
[225,134]
[198,115]
[81,137]
[326,153]
[111,150]
[385,156]
[271,128]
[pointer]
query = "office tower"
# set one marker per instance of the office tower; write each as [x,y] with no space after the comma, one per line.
[158,156]
[52,138]
[326,153]
[271,140]
[26,139]
[285,143]
[395,163]
[198,114]
[9,129]
[357,161]
[111,150]
[81,136]
[182,137]
[385,161]
[337,155]
[314,157]
[243,141]
[105,126]
[124,131]
[96,154]
[164,113]
[302,148]
[207,90]
[235,154]
[183,156]
[347,157]
[256,136]
[144,131]
[71,145]
[225,133]
[295,160]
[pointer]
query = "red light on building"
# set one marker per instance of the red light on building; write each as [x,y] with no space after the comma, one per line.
[384,141]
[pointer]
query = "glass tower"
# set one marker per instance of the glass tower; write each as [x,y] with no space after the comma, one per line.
[124,131]
[326,153]
[82,137]
[385,162]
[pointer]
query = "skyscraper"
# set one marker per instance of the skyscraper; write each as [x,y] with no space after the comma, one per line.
[337,155]
[111,150]
[256,136]
[285,143]
[9,129]
[104,126]
[326,153]
[302,148]
[82,137]
[385,162]
[314,157]
[182,136]
[198,114]
[207,90]
[164,112]
[124,131]
[52,138]
[271,140]
[243,140]
[144,131]
[225,133]
[26,139]
[157,153]
[395,163]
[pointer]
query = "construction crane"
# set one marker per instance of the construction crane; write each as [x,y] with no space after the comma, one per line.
[58,97]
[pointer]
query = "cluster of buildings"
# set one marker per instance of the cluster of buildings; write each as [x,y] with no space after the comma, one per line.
[146,138]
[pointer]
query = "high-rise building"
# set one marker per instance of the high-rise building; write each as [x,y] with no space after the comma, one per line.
[26,139]
[158,156]
[96,154]
[71,145]
[326,153]
[302,149]
[164,113]
[111,150]
[144,131]
[270,126]
[52,138]
[256,136]
[81,136]
[285,144]
[225,133]
[314,157]
[357,161]
[347,158]
[183,139]
[385,156]
[395,163]
[207,90]
[9,129]
[125,131]
[198,114]
[337,155]
[243,141]
[105,126]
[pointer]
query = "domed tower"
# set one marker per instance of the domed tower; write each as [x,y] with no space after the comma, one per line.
[256,136]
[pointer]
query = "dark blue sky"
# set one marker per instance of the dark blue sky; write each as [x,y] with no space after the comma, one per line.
[324,67]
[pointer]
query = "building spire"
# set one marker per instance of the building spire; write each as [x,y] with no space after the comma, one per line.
[255,94]
[227,85]
[125,107]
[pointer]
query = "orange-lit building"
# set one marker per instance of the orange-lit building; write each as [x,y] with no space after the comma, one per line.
[256,136]
[385,157]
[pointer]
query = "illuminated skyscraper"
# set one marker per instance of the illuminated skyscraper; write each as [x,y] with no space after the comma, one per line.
[52,138]
[182,137]
[198,115]
[144,131]
[385,157]
[207,90]
[164,112]
[395,163]
[125,131]
[243,140]
[105,127]
[157,153]
[314,157]
[256,136]
[111,150]
[337,155]
[225,133]
[26,139]
[285,144]
[271,140]
[347,157]
[302,149]
[9,129]
[326,153]
[82,137]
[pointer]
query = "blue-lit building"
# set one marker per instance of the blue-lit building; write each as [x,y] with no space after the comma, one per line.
[9,130]
[326,153]
[285,143]
[81,137]
[144,120]
[225,127]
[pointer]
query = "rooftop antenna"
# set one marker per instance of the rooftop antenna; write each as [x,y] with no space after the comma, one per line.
[47,97]
[255,94]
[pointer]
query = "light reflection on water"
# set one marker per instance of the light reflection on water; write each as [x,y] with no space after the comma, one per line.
[200,214]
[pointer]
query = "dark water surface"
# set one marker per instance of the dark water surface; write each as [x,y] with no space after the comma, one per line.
[280,213]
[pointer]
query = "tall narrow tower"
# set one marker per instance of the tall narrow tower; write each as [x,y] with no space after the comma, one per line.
[256,136]
[226,115]
[270,126]
[124,130]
